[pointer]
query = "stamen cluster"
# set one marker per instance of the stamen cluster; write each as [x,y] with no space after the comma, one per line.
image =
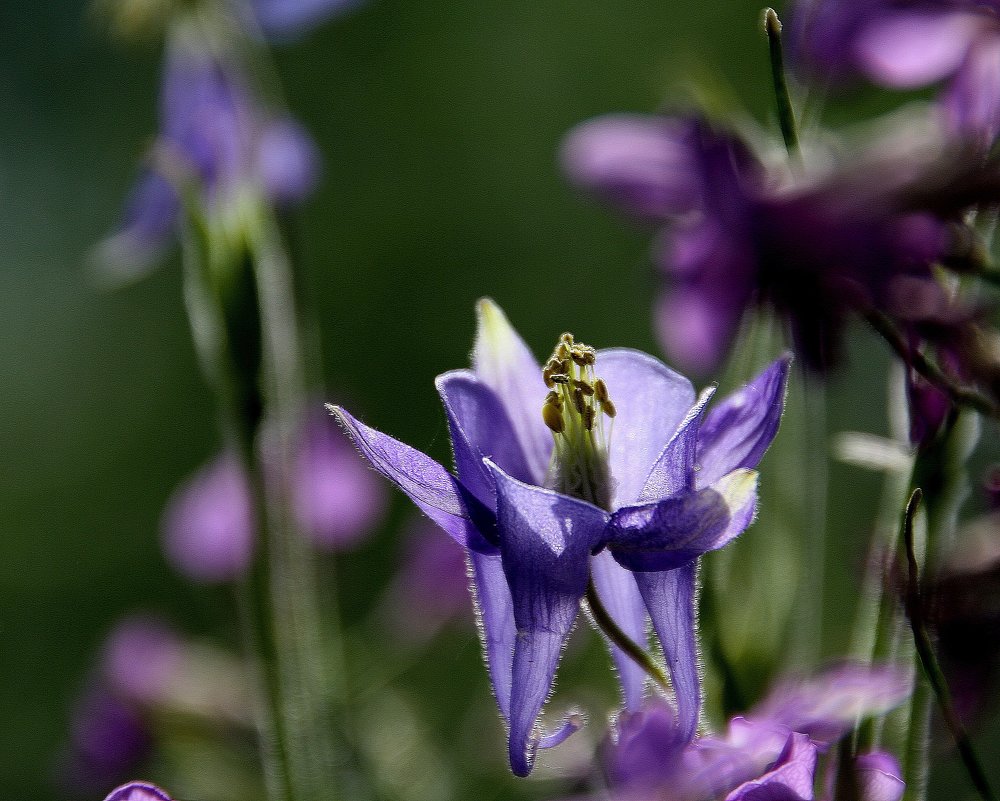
[574,410]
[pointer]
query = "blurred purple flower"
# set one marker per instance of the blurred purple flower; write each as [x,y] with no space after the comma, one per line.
[431,586]
[769,755]
[285,19]
[140,658]
[109,740]
[909,44]
[209,524]
[734,235]
[215,131]
[337,500]
[638,502]
[138,791]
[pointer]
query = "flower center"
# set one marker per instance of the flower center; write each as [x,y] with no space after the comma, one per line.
[574,410]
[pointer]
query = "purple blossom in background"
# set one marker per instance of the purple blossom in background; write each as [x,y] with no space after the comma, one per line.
[337,501]
[209,524]
[431,586]
[770,754]
[140,658]
[815,251]
[664,489]
[906,45]
[216,131]
[109,740]
[282,20]
[138,791]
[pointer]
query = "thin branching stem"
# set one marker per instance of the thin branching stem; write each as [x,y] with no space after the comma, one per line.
[928,659]
[959,394]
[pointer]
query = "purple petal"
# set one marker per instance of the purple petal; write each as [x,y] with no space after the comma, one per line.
[288,162]
[791,778]
[670,599]
[545,541]
[972,101]
[644,164]
[141,656]
[651,400]
[504,363]
[738,431]
[829,705]
[674,470]
[878,775]
[646,754]
[432,488]
[109,740]
[282,20]
[911,49]
[618,592]
[337,500]
[667,534]
[138,791]
[147,229]
[495,613]
[208,526]
[479,428]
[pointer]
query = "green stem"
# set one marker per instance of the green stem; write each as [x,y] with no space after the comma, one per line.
[786,116]
[928,659]
[607,624]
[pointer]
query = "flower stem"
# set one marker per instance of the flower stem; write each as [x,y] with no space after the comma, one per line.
[637,654]
[960,395]
[928,659]
[786,116]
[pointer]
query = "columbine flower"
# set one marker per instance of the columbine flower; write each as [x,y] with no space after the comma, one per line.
[910,44]
[815,249]
[138,791]
[209,524]
[216,133]
[770,753]
[600,465]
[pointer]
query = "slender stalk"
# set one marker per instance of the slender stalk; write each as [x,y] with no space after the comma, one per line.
[928,659]
[786,116]
[961,395]
[607,624]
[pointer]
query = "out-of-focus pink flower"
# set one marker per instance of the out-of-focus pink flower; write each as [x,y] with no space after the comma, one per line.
[140,657]
[209,526]
[431,586]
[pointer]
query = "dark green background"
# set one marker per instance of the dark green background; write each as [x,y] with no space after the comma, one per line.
[439,123]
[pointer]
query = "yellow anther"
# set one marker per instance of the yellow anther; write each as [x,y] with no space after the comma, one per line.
[588,418]
[553,399]
[553,418]
[584,387]
[601,390]
[559,378]
[579,356]
[578,401]
[608,407]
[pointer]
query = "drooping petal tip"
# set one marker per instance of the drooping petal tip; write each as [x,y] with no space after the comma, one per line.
[138,791]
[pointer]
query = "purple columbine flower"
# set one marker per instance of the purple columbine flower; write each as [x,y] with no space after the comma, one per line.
[216,132]
[735,235]
[770,754]
[138,791]
[906,45]
[600,465]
